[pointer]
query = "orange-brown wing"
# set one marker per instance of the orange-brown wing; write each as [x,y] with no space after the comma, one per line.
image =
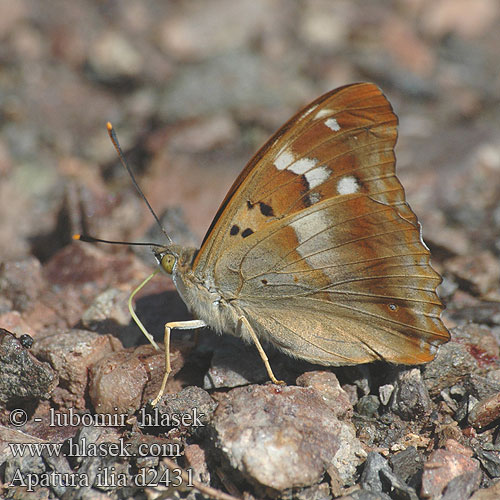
[345,281]
[343,142]
[317,246]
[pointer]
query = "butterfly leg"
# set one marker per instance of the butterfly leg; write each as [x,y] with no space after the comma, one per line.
[243,321]
[180,325]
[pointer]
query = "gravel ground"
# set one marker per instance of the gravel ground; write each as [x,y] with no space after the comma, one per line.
[193,89]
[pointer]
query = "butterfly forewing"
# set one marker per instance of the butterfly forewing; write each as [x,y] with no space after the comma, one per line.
[341,142]
[316,244]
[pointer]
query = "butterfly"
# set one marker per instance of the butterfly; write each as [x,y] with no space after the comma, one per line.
[314,249]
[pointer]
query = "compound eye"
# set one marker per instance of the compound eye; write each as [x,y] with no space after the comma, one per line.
[167,263]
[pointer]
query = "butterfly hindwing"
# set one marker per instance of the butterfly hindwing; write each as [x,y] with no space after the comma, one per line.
[350,277]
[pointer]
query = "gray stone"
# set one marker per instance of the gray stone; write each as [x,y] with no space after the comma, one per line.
[461,487]
[368,405]
[410,398]
[452,362]
[378,477]
[284,437]
[408,464]
[23,377]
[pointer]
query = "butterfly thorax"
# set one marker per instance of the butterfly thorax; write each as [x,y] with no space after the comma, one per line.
[199,293]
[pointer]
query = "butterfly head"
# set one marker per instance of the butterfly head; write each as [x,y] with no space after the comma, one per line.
[167,258]
[173,259]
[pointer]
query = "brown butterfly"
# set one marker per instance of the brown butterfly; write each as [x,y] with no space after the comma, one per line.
[314,248]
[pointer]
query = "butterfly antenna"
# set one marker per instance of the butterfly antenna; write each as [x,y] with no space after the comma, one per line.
[123,161]
[90,239]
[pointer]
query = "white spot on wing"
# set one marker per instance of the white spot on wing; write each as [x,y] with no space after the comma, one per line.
[322,113]
[317,176]
[314,197]
[305,166]
[302,166]
[283,160]
[347,185]
[332,124]
[309,226]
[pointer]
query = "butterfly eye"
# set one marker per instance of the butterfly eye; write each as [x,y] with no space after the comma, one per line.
[167,262]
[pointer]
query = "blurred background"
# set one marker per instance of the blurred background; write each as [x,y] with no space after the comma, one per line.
[194,88]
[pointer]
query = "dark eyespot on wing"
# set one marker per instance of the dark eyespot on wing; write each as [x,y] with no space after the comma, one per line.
[234,230]
[246,232]
[266,209]
[249,205]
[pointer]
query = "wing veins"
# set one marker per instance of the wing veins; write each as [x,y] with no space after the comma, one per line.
[331,266]
[329,249]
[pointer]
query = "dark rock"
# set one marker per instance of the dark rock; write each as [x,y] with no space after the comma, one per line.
[465,407]
[22,466]
[490,460]
[267,433]
[26,341]
[378,477]
[60,465]
[366,495]
[371,478]
[410,399]
[95,467]
[408,465]
[461,487]
[191,401]
[398,489]
[368,405]
[23,377]
[452,363]
[481,387]
[235,364]
[316,492]
[8,462]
